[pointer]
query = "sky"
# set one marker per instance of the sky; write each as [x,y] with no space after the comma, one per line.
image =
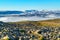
[29,5]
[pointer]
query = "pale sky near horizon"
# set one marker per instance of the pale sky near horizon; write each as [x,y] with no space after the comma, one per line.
[29,4]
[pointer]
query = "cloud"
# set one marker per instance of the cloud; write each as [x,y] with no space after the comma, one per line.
[3,18]
[51,16]
[15,19]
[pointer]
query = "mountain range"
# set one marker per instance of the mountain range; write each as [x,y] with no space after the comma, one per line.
[28,15]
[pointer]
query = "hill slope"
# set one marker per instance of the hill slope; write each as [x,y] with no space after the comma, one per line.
[52,23]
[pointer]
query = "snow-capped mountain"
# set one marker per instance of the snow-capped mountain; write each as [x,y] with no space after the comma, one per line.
[28,15]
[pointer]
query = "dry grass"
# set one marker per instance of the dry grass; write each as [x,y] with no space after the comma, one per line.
[52,23]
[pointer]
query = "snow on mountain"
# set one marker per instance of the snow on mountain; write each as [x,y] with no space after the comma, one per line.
[28,15]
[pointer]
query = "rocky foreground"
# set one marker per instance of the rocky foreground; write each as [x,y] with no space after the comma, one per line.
[32,30]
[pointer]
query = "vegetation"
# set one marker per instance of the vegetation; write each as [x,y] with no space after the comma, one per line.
[40,30]
[52,23]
